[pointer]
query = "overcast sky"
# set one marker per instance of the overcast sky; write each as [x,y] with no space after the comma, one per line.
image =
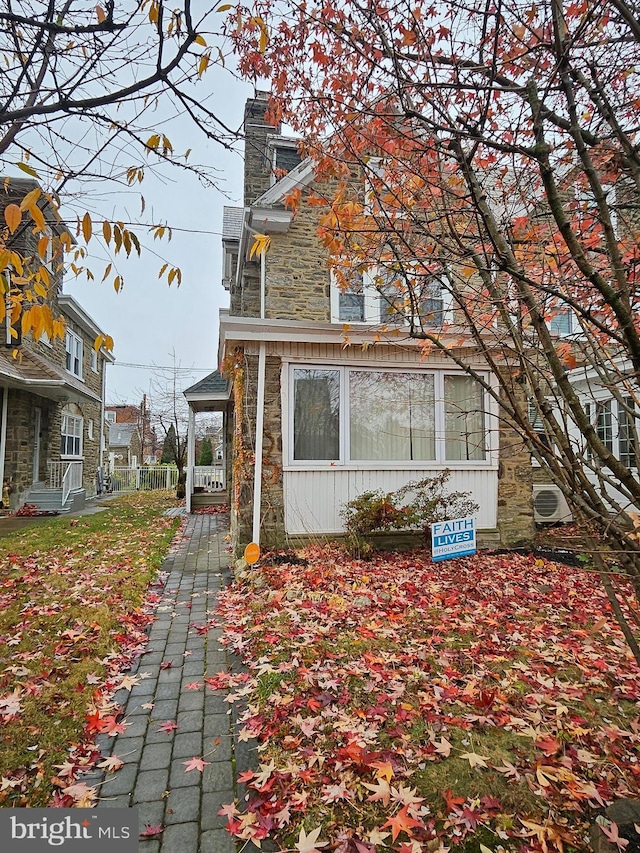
[150,321]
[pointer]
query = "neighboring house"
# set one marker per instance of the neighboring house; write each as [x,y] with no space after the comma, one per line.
[320,413]
[51,391]
[124,446]
[141,417]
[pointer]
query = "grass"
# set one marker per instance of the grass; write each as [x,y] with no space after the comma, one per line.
[72,616]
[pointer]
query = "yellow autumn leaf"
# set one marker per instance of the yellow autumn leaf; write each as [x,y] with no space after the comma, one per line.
[30,199]
[200,40]
[12,216]
[225,7]
[38,217]
[260,245]
[98,342]
[108,342]
[117,284]
[28,169]
[106,232]
[40,289]
[204,63]
[87,227]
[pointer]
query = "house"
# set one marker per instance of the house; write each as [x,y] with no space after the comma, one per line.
[141,416]
[124,445]
[51,390]
[324,405]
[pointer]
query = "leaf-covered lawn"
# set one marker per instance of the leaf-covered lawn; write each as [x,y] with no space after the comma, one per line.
[487,702]
[72,619]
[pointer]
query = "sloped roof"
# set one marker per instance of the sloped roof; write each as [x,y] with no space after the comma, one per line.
[121,435]
[214,383]
[232,222]
[33,372]
[210,394]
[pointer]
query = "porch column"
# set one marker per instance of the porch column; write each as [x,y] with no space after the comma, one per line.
[191,453]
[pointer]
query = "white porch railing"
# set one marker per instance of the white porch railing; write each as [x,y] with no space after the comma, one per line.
[210,478]
[57,471]
[71,479]
[142,477]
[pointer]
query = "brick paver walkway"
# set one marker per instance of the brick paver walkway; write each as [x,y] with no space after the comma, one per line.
[154,777]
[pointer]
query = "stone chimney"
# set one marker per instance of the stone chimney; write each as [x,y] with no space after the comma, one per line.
[257,164]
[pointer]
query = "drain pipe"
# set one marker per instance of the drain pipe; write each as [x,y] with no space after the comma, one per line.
[262,363]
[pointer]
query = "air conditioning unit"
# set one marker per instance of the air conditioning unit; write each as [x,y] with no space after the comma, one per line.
[550,505]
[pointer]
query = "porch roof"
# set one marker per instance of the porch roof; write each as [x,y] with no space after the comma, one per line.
[32,372]
[210,394]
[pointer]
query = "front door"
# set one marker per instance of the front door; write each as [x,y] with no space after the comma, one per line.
[37,420]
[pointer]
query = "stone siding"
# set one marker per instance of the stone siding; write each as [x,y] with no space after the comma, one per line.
[20,441]
[272,531]
[515,495]
[257,166]
[298,278]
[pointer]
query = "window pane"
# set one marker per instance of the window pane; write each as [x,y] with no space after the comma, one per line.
[351,299]
[464,419]
[391,416]
[351,307]
[316,414]
[626,442]
[604,424]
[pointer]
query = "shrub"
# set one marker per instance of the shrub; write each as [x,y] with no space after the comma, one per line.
[415,506]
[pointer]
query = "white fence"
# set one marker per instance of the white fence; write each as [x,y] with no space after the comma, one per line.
[142,478]
[208,478]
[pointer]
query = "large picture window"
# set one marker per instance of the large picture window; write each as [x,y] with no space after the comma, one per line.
[391,416]
[316,414]
[349,414]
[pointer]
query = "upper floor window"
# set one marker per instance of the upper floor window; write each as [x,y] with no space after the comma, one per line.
[382,296]
[73,346]
[94,360]
[110,417]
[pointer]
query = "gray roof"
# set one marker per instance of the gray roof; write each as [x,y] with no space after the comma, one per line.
[214,384]
[121,435]
[232,222]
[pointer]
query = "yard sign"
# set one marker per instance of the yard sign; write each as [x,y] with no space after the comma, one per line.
[455,538]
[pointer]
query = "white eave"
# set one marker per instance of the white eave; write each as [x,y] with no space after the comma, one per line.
[72,309]
[269,220]
[297,178]
[234,330]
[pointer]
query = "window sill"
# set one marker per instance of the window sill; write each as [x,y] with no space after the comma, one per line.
[484,465]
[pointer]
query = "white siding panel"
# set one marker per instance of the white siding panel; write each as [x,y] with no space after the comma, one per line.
[313,499]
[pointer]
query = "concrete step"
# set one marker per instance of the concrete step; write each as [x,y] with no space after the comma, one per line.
[48,499]
[209,498]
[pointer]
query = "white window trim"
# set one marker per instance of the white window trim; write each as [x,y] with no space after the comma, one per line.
[66,415]
[374,305]
[94,360]
[76,341]
[490,462]
[594,401]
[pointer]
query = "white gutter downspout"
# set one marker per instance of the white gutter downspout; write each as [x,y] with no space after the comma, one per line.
[262,362]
